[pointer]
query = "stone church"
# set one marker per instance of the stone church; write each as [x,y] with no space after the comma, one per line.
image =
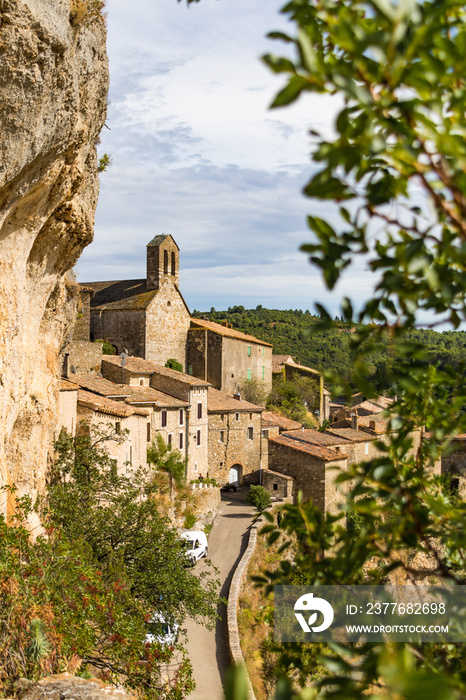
[147,317]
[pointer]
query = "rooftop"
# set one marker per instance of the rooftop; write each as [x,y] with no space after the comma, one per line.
[137,365]
[108,406]
[316,437]
[99,385]
[281,421]
[67,386]
[219,402]
[317,451]
[351,435]
[157,240]
[146,394]
[228,332]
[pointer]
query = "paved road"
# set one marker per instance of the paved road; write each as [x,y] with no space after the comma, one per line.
[208,650]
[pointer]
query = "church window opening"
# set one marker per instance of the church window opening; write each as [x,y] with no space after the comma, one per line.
[173,270]
[165,262]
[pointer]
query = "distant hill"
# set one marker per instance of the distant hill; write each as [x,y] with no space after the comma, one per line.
[294,332]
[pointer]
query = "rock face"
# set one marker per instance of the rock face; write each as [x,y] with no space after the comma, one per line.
[65,687]
[53,88]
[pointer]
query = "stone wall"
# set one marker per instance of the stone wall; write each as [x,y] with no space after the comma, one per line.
[166,328]
[82,327]
[236,448]
[67,411]
[205,367]
[84,356]
[268,432]
[236,361]
[278,485]
[124,329]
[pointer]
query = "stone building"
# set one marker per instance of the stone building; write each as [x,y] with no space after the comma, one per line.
[81,355]
[235,443]
[187,389]
[67,407]
[280,486]
[146,317]
[115,417]
[226,357]
[312,467]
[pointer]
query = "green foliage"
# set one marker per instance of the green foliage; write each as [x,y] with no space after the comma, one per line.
[253,391]
[105,162]
[114,519]
[174,364]
[168,460]
[189,520]
[107,347]
[259,497]
[296,398]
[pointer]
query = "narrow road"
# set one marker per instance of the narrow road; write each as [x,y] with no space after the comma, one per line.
[208,650]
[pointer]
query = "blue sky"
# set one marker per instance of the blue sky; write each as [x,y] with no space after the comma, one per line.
[197,154]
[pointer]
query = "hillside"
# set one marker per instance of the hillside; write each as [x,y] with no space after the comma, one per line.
[295,332]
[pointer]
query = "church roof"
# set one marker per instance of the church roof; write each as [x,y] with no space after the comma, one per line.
[121,295]
[157,240]
[228,332]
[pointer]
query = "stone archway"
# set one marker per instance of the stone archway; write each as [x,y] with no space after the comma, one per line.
[235,475]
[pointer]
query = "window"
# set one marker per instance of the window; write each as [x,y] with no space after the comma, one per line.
[275,487]
[195,466]
[173,270]
[164,419]
[366,448]
[181,420]
[199,411]
[249,375]
[265,434]
[251,433]
[148,432]
[250,416]
[118,427]
[141,382]
[236,416]
[181,441]
[263,352]
[222,436]
[222,464]
[263,373]
[165,262]
[190,370]
[170,439]
[198,437]
[249,351]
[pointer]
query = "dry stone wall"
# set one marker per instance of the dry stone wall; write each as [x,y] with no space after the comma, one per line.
[53,87]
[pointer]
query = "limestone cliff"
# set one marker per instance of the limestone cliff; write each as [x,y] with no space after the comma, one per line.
[53,87]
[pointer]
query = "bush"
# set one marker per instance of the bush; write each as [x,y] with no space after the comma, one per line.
[259,497]
[174,364]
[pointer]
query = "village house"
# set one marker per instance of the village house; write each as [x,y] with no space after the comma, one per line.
[190,391]
[235,442]
[226,357]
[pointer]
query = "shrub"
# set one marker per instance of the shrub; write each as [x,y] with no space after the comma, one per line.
[259,497]
[174,364]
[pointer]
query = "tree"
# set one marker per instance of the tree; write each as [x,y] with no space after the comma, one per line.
[259,497]
[295,398]
[174,364]
[253,391]
[397,160]
[115,519]
[168,460]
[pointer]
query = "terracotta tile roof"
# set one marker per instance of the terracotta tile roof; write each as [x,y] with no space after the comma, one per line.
[316,438]
[228,332]
[351,435]
[67,386]
[278,362]
[282,476]
[112,408]
[219,402]
[137,365]
[99,385]
[302,368]
[146,394]
[281,421]
[268,423]
[323,453]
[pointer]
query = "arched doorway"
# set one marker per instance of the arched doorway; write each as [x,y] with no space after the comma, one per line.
[235,474]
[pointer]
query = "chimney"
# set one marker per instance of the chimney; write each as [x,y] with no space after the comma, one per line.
[237,396]
[355,421]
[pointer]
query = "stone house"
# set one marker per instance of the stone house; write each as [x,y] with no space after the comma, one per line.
[226,357]
[280,486]
[98,411]
[189,390]
[146,317]
[235,442]
[67,406]
[312,467]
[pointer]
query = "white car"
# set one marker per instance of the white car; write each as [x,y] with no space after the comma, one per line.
[196,545]
[162,630]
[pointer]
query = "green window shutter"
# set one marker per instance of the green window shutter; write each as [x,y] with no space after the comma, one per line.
[263,373]
[249,375]
[249,350]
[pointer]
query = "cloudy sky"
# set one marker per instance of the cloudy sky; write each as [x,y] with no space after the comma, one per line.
[197,154]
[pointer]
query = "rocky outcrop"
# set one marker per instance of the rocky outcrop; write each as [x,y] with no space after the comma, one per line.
[66,687]
[53,87]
